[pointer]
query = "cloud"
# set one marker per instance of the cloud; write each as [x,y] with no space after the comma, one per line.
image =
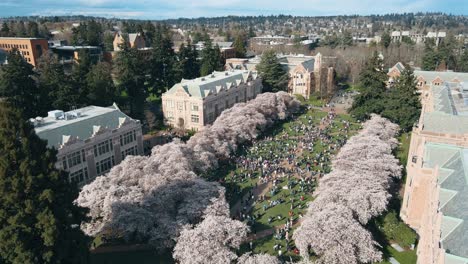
[160,9]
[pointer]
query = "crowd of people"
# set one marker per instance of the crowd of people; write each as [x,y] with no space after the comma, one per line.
[284,169]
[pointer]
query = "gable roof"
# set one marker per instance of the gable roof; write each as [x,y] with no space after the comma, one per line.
[82,127]
[213,83]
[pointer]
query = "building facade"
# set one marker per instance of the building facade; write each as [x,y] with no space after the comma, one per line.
[135,40]
[30,48]
[436,190]
[193,104]
[308,75]
[90,140]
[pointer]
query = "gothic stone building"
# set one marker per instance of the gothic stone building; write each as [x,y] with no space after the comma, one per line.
[308,75]
[192,104]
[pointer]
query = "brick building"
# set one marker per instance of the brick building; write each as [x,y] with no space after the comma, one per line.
[30,48]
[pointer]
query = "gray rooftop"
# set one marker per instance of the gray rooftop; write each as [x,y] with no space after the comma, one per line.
[213,83]
[81,124]
[453,197]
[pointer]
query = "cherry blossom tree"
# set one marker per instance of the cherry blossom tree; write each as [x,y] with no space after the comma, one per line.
[250,258]
[356,191]
[151,199]
[210,242]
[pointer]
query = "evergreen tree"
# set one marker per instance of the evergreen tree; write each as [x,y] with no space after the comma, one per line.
[33,30]
[101,89]
[5,31]
[188,64]
[18,87]
[39,222]
[431,58]
[130,68]
[211,59]
[163,70]
[372,89]
[403,105]
[386,39]
[239,45]
[463,62]
[55,86]
[274,77]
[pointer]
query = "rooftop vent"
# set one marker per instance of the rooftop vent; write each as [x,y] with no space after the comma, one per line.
[57,114]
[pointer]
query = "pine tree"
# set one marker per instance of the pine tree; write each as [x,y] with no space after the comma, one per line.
[39,222]
[5,31]
[18,87]
[55,86]
[130,68]
[101,89]
[403,105]
[188,64]
[163,70]
[386,39]
[372,90]
[211,59]
[274,77]
[239,45]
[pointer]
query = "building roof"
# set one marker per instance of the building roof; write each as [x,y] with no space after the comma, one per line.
[81,124]
[447,76]
[132,37]
[21,38]
[213,83]
[452,162]
[73,48]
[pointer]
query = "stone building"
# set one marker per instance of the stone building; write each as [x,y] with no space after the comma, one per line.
[30,48]
[192,104]
[436,189]
[135,40]
[308,75]
[90,140]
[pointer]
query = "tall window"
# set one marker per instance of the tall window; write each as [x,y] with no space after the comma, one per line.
[195,119]
[75,158]
[105,165]
[79,176]
[130,151]
[103,147]
[127,138]
[194,107]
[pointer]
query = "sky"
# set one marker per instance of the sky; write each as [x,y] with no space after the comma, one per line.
[164,9]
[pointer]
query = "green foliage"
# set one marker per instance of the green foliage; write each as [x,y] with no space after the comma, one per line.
[189,67]
[402,104]
[372,84]
[274,77]
[163,71]
[55,85]
[211,59]
[386,39]
[131,79]
[88,33]
[239,45]
[101,89]
[395,230]
[39,223]
[18,87]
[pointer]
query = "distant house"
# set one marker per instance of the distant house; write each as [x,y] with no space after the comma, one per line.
[193,104]
[135,40]
[90,140]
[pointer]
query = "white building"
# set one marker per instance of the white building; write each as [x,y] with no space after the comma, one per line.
[90,140]
[192,104]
